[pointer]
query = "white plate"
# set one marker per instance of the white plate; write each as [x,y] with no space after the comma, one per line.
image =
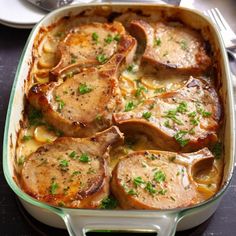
[19,13]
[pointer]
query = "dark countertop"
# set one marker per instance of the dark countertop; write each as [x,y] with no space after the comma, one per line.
[13,218]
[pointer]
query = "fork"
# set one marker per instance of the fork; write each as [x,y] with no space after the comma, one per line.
[228,35]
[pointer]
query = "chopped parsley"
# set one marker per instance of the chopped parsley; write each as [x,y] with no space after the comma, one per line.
[54,186]
[109,203]
[132,192]
[157,41]
[73,59]
[95,37]
[147,115]
[159,176]
[182,108]
[27,138]
[162,191]
[130,68]
[194,122]
[73,154]
[35,116]
[20,160]
[108,39]
[183,45]
[117,37]
[206,113]
[64,165]
[138,181]
[60,103]
[129,106]
[150,188]
[179,137]
[83,88]
[84,157]
[77,172]
[139,90]
[167,124]
[171,114]
[217,150]
[101,58]
[192,114]
[160,90]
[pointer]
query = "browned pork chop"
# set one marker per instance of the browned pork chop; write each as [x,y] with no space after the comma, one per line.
[158,179]
[171,45]
[87,45]
[84,103]
[186,119]
[71,172]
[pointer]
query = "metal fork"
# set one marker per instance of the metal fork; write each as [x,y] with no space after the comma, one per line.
[228,35]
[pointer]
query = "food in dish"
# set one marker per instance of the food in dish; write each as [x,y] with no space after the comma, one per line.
[80,86]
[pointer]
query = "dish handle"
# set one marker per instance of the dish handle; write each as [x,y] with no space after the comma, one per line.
[164,224]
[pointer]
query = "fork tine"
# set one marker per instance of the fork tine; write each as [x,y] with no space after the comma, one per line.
[224,22]
[213,15]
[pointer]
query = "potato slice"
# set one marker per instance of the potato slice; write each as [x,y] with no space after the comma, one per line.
[43,135]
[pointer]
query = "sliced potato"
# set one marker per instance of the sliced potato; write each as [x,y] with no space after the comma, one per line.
[41,80]
[43,135]
[47,60]
[50,45]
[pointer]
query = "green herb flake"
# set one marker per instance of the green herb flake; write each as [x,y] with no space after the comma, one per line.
[217,150]
[73,154]
[183,45]
[159,176]
[132,192]
[95,37]
[182,108]
[83,88]
[162,191]
[27,138]
[101,58]
[117,37]
[194,122]
[20,160]
[192,114]
[157,41]
[64,165]
[54,186]
[84,157]
[147,115]
[160,90]
[129,106]
[60,103]
[206,113]
[179,137]
[77,172]
[130,68]
[139,91]
[109,203]
[167,124]
[150,188]
[108,39]
[34,117]
[61,204]
[172,198]
[171,114]
[138,181]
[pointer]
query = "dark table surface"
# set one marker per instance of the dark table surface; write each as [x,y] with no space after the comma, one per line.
[14,220]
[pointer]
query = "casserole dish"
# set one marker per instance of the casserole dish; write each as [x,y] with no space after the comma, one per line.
[80,221]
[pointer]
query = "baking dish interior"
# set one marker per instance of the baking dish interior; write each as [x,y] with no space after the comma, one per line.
[16,104]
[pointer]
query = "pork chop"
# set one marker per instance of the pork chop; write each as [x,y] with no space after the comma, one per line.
[71,172]
[171,45]
[186,119]
[84,103]
[158,179]
[88,45]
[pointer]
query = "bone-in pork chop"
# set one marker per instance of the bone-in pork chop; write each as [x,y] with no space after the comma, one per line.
[185,119]
[84,103]
[88,45]
[71,172]
[171,46]
[157,179]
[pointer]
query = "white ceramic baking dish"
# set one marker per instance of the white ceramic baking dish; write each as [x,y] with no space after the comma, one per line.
[79,221]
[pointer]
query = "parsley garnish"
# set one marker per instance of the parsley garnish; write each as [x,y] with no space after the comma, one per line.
[192,114]
[160,90]
[139,90]
[101,58]
[54,186]
[109,203]
[179,137]
[172,115]
[217,150]
[206,113]
[117,37]
[20,160]
[60,103]
[129,106]
[26,138]
[95,37]
[83,88]
[147,115]
[35,116]
[84,158]
[159,176]
[138,181]
[73,154]
[132,192]
[150,188]
[64,165]
[108,39]
[183,45]
[182,107]
[157,41]
[162,191]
